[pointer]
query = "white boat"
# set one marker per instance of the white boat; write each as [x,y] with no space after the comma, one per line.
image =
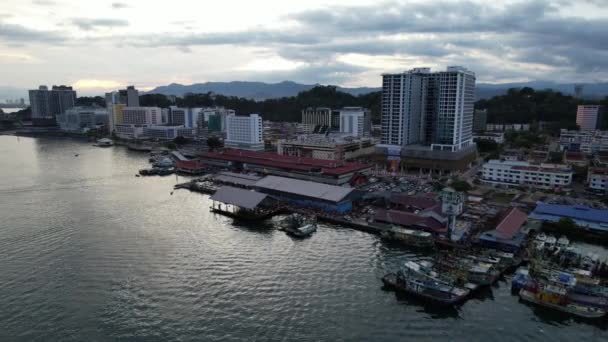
[541,237]
[105,142]
[550,241]
[563,242]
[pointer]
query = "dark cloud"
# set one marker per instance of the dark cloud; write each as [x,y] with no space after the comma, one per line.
[17,34]
[88,24]
[119,5]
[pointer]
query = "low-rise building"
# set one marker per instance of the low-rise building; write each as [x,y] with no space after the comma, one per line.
[508,235]
[168,132]
[497,137]
[597,178]
[320,146]
[585,217]
[589,142]
[575,158]
[81,119]
[520,173]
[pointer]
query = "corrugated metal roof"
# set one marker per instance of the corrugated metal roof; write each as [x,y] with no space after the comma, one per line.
[241,198]
[511,223]
[304,188]
[237,178]
[578,212]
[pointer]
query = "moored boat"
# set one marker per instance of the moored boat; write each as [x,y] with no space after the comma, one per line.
[410,237]
[543,298]
[104,142]
[414,280]
[521,277]
[299,225]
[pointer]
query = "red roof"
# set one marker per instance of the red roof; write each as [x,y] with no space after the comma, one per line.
[328,167]
[189,165]
[404,218]
[511,223]
[414,202]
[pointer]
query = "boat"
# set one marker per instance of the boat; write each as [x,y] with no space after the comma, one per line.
[550,242]
[104,142]
[410,237]
[541,237]
[563,242]
[550,297]
[164,162]
[418,281]
[470,269]
[299,225]
[521,277]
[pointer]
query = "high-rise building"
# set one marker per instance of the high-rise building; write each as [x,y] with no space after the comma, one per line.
[244,132]
[188,117]
[480,119]
[429,108]
[117,100]
[320,116]
[355,121]
[589,117]
[141,116]
[46,105]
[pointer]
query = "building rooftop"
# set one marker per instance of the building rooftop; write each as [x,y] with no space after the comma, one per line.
[409,220]
[577,212]
[327,167]
[511,223]
[241,198]
[304,188]
[236,178]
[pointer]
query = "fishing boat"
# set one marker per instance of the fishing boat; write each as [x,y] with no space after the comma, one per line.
[104,142]
[470,269]
[541,237]
[550,242]
[420,282]
[555,298]
[299,225]
[521,277]
[410,237]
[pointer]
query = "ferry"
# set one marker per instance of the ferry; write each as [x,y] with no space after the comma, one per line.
[104,142]
[410,237]
[419,282]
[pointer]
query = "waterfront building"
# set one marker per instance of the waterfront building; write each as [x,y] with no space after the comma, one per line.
[141,115]
[355,121]
[117,100]
[497,137]
[413,212]
[167,132]
[244,132]
[81,119]
[188,117]
[589,117]
[316,170]
[584,217]
[320,118]
[508,235]
[130,122]
[597,179]
[306,194]
[589,142]
[328,147]
[480,119]
[47,104]
[521,173]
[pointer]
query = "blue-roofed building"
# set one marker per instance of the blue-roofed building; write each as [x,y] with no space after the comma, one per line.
[585,217]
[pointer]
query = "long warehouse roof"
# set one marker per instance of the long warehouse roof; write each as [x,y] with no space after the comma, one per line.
[304,188]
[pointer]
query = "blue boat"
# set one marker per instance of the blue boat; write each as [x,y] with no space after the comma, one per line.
[520,279]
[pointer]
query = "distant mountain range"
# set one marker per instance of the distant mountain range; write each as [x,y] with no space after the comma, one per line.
[261,90]
[251,90]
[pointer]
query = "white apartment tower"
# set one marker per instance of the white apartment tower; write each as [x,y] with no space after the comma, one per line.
[244,132]
[355,121]
[429,108]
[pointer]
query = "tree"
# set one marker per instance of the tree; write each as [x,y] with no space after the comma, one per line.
[180,140]
[566,224]
[461,186]
[214,143]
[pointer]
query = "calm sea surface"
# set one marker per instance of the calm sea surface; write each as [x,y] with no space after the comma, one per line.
[88,252]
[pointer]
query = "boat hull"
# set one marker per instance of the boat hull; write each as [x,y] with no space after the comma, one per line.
[391,280]
[531,298]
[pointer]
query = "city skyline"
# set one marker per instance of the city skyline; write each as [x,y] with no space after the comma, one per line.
[100,47]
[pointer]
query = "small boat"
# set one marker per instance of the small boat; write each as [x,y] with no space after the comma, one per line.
[545,299]
[563,242]
[164,162]
[521,277]
[104,142]
[541,237]
[550,242]
[299,226]
[411,237]
[417,281]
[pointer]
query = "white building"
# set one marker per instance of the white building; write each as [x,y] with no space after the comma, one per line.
[320,116]
[588,142]
[497,137]
[429,108]
[597,179]
[141,116]
[244,132]
[588,117]
[521,173]
[355,121]
[82,119]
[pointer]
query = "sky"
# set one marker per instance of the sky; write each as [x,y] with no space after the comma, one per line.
[98,46]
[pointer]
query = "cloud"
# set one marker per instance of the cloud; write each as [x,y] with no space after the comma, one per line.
[88,24]
[44,2]
[97,84]
[13,33]
[119,5]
